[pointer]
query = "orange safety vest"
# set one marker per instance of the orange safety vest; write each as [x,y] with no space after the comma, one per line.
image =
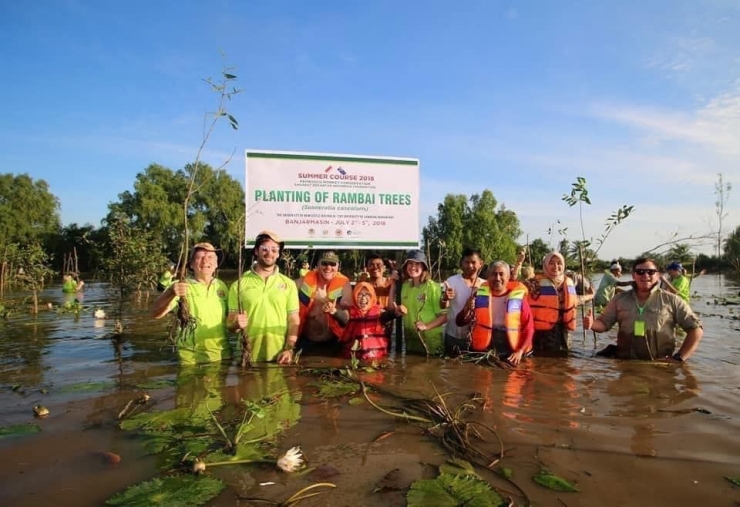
[306,299]
[482,330]
[545,305]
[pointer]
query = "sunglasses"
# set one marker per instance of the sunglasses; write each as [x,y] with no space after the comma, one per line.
[325,263]
[641,272]
[267,249]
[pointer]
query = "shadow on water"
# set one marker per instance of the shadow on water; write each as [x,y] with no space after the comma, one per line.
[628,433]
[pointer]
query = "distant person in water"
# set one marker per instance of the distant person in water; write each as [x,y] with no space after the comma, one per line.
[648,318]
[71,284]
[305,268]
[167,277]
[677,282]
[610,285]
[206,296]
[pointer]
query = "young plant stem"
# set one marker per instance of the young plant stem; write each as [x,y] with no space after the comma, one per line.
[401,415]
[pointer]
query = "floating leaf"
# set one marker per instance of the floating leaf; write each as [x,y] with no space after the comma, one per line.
[18,430]
[734,480]
[456,466]
[86,387]
[182,491]
[449,490]
[553,482]
[153,384]
[505,472]
[334,388]
[358,400]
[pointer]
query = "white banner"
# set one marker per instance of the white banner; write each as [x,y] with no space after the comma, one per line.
[333,201]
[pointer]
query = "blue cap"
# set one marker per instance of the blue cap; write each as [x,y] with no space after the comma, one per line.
[416,256]
[675,266]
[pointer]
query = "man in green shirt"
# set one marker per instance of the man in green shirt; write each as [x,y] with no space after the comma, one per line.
[264,302]
[609,285]
[677,282]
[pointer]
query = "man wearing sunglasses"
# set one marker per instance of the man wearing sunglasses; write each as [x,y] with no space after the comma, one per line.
[319,292]
[648,317]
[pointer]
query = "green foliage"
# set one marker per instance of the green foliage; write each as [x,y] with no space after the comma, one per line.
[136,257]
[732,249]
[449,490]
[334,388]
[30,265]
[28,210]
[475,222]
[579,196]
[18,430]
[179,491]
[734,480]
[87,387]
[456,466]
[553,482]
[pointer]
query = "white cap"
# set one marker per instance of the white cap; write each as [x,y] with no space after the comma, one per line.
[614,266]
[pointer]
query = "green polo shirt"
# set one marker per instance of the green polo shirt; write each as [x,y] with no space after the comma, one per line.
[423,304]
[207,304]
[267,304]
[682,285]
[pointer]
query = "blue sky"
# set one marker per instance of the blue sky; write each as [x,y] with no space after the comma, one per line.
[642,98]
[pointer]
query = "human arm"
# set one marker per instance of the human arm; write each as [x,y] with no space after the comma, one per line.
[603,322]
[346,298]
[288,353]
[341,315]
[517,267]
[448,294]
[163,304]
[438,321]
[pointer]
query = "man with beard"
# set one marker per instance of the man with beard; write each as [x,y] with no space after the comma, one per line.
[320,286]
[458,290]
[206,298]
[269,304]
[499,316]
[648,317]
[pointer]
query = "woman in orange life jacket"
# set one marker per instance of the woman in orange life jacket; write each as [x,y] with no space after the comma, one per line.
[363,323]
[553,300]
[500,315]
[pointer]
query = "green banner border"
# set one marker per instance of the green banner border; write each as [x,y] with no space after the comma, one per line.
[332,158]
[348,244]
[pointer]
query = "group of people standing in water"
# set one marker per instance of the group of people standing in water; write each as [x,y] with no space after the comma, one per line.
[480,309]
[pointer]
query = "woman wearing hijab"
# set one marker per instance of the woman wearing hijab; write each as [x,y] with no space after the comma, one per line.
[553,300]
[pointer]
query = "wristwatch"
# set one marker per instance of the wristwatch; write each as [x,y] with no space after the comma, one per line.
[678,357]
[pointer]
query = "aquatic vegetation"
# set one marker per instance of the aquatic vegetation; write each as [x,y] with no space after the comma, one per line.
[734,480]
[551,481]
[179,491]
[453,490]
[18,430]
[86,387]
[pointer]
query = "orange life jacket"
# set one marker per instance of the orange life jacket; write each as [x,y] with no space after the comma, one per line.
[482,331]
[545,304]
[306,298]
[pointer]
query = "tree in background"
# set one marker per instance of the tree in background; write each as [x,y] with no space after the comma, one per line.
[156,206]
[29,269]
[732,249]
[722,191]
[28,210]
[464,222]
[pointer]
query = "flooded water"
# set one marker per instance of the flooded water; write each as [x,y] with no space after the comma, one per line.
[627,433]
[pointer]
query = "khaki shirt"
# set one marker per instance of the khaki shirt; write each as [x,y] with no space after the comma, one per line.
[663,313]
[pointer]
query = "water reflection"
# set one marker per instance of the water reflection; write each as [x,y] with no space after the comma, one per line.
[644,392]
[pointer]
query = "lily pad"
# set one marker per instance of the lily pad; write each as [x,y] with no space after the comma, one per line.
[335,388]
[449,490]
[553,482]
[86,387]
[18,430]
[734,480]
[356,401]
[505,472]
[153,384]
[182,491]
[456,466]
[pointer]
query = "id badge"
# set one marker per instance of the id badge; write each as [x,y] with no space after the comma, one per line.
[639,328]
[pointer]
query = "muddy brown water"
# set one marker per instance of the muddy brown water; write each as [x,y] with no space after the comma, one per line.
[628,433]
